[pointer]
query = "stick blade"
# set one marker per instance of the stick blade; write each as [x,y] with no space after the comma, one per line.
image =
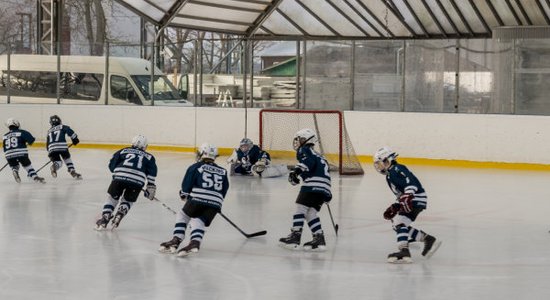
[255,234]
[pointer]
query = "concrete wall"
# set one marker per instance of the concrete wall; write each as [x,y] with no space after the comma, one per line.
[494,138]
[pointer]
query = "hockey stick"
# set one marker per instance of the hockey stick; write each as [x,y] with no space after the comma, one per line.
[49,162]
[248,235]
[332,219]
[163,204]
[4,167]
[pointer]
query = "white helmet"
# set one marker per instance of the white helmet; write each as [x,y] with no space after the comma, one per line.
[12,122]
[303,137]
[207,151]
[140,142]
[246,144]
[383,159]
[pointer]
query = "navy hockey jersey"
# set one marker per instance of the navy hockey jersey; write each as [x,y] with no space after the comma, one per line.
[206,184]
[315,171]
[15,143]
[252,156]
[56,141]
[401,181]
[133,165]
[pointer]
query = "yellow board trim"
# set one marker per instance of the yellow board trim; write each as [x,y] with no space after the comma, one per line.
[365,159]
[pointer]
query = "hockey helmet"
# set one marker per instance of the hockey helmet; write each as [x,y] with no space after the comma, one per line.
[383,159]
[245,145]
[12,122]
[55,120]
[140,142]
[207,152]
[303,137]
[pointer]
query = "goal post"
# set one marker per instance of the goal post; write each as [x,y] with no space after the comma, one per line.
[277,129]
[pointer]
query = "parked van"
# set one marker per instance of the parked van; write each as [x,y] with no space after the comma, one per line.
[33,79]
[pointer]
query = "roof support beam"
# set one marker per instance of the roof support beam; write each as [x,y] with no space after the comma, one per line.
[541,8]
[524,13]
[411,10]
[347,17]
[172,12]
[267,30]
[390,5]
[153,4]
[375,18]
[364,18]
[495,13]
[462,18]
[262,17]
[448,17]
[225,6]
[514,13]
[292,22]
[313,14]
[480,17]
[434,18]
[215,20]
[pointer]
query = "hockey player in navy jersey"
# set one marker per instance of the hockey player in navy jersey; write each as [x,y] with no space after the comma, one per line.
[132,168]
[56,144]
[15,148]
[315,191]
[248,158]
[411,201]
[204,187]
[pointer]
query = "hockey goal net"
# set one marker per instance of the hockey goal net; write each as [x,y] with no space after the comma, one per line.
[277,129]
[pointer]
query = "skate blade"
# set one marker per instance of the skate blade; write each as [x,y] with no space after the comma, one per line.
[290,246]
[394,260]
[100,228]
[170,250]
[435,246]
[187,253]
[318,249]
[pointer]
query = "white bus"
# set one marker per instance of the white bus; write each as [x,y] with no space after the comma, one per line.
[33,79]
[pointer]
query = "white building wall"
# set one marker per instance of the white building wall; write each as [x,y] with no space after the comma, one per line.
[495,138]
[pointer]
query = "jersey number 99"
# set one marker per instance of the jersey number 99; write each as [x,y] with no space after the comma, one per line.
[11,143]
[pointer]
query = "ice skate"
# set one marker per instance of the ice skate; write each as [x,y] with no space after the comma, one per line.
[401,257]
[116,221]
[193,247]
[431,244]
[317,244]
[170,246]
[292,241]
[102,223]
[53,171]
[16,176]
[39,179]
[75,175]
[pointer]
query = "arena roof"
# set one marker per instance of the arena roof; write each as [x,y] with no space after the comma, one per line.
[344,19]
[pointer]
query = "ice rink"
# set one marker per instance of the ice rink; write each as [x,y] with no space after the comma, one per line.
[493,223]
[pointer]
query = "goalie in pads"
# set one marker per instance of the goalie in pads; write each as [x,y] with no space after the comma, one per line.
[249,159]
[411,201]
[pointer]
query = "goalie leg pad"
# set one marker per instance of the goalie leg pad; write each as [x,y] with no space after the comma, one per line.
[275,171]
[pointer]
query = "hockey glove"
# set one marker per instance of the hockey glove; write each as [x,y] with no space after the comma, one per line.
[293,178]
[391,211]
[259,167]
[150,191]
[76,141]
[406,202]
